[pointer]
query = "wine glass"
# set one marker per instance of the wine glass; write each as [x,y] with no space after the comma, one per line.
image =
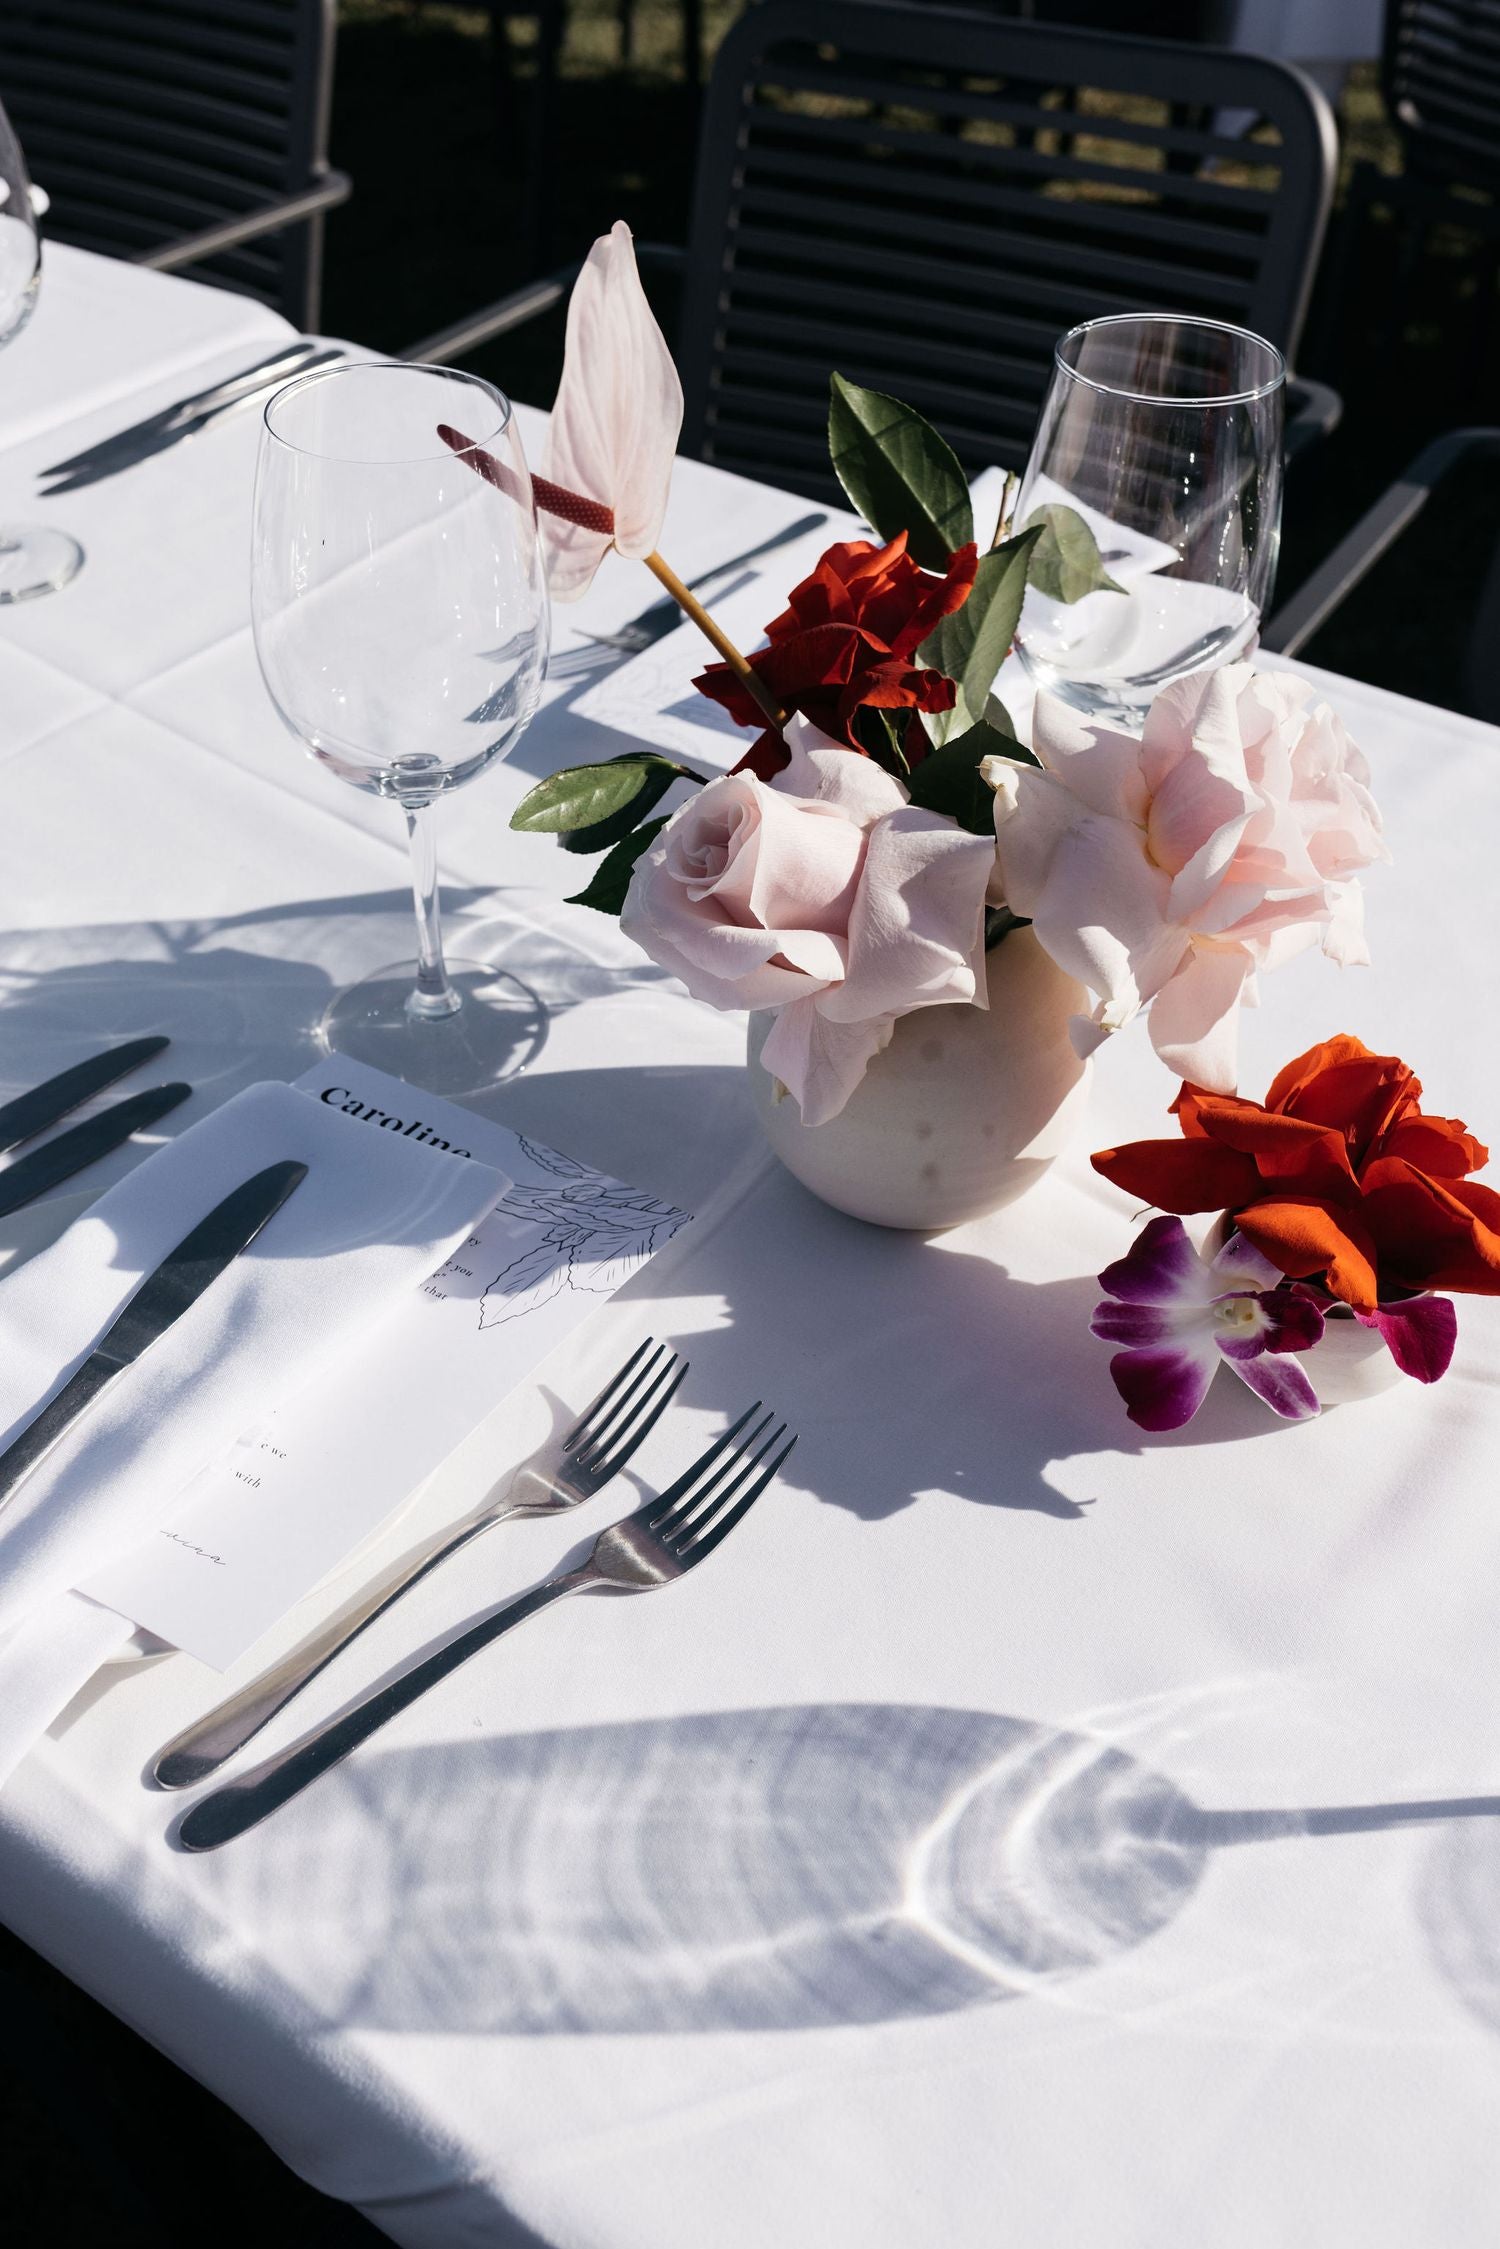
[31,561]
[1164,434]
[400,613]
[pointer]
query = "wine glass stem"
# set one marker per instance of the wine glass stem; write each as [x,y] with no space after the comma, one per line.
[433,996]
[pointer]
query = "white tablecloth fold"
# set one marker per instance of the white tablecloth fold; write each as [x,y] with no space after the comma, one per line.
[368,1221]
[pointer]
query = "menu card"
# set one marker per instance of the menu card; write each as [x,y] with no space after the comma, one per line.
[263,1525]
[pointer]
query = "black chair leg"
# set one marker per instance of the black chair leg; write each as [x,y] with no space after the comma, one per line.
[537,197]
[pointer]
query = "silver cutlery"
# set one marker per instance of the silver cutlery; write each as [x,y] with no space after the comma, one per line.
[31,1113]
[279,365]
[626,1409]
[161,441]
[83,1144]
[655,1546]
[162,1298]
[642,632]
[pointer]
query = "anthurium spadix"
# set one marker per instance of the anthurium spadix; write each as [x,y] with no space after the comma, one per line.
[615,422]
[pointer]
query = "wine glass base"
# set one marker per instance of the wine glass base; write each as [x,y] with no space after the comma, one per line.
[497,1032]
[34,561]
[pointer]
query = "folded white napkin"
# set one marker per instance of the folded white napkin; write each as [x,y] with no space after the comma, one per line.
[372,1218]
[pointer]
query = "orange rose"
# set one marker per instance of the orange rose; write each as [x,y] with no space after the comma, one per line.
[1336,1174]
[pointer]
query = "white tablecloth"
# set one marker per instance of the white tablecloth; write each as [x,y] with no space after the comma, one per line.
[873,1889]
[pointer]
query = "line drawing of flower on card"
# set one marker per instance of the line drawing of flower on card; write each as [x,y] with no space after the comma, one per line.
[592,1233]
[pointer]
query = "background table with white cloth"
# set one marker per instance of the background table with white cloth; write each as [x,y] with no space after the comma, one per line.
[1025,1830]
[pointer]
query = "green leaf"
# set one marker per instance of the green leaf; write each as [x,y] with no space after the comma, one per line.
[586,796]
[949,780]
[973,642]
[883,733]
[898,472]
[611,878]
[1066,562]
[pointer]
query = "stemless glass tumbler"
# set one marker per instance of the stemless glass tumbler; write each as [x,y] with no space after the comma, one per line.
[1165,435]
[400,611]
[32,560]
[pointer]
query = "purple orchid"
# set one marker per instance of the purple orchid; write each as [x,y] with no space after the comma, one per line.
[1418,1331]
[1179,1314]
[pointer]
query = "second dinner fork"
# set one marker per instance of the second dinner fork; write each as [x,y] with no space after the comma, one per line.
[608,1432]
[655,1546]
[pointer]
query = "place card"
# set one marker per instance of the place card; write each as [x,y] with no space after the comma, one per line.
[264,1524]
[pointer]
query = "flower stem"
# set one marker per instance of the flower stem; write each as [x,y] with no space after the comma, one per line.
[689,603]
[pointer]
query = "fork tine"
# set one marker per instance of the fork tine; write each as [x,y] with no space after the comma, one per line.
[621,1404]
[673,1522]
[613,1384]
[655,1510]
[705,1537]
[608,1459]
[689,1522]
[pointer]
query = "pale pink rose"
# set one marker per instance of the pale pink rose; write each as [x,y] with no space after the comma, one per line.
[615,420]
[826,896]
[1167,871]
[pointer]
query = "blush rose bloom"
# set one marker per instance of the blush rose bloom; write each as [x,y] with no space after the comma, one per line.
[1168,871]
[825,896]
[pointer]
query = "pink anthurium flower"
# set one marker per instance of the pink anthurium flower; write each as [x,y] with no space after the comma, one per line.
[615,421]
[1180,1316]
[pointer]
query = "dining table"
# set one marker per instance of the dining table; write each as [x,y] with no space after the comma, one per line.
[1027,1829]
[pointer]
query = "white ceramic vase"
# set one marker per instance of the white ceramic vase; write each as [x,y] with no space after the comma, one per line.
[965,1109]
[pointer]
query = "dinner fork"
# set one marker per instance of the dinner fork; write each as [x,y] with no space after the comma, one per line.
[608,1432]
[655,1546]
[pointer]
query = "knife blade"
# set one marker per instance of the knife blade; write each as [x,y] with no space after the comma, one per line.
[286,356]
[162,1298]
[31,1113]
[56,1160]
[161,441]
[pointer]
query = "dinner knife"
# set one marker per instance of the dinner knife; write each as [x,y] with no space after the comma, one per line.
[56,1160]
[31,1113]
[180,1279]
[286,356]
[129,456]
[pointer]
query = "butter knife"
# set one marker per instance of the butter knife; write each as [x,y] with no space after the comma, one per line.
[129,456]
[162,1298]
[31,1113]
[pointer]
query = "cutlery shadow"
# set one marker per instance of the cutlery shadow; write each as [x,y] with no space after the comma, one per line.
[778,1869]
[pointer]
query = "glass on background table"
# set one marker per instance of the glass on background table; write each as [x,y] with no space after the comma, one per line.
[400,613]
[33,559]
[1165,434]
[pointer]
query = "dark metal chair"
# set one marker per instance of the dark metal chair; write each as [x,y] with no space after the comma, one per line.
[182,133]
[925,198]
[1321,595]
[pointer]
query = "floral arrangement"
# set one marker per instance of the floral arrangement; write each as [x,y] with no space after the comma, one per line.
[1343,1199]
[886,826]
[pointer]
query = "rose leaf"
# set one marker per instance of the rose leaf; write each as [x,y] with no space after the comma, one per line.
[898,472]
[611,878]
[971,643]
[584,797]
[1065,563]
[948,781]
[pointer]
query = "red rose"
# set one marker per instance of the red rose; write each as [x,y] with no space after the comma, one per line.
[847,641]
[1337,1174]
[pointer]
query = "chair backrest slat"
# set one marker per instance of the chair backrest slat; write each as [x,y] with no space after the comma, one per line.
[1441,77]
[146,120]
[925,199]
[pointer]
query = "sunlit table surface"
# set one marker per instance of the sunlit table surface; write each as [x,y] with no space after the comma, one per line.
[1024,1831]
